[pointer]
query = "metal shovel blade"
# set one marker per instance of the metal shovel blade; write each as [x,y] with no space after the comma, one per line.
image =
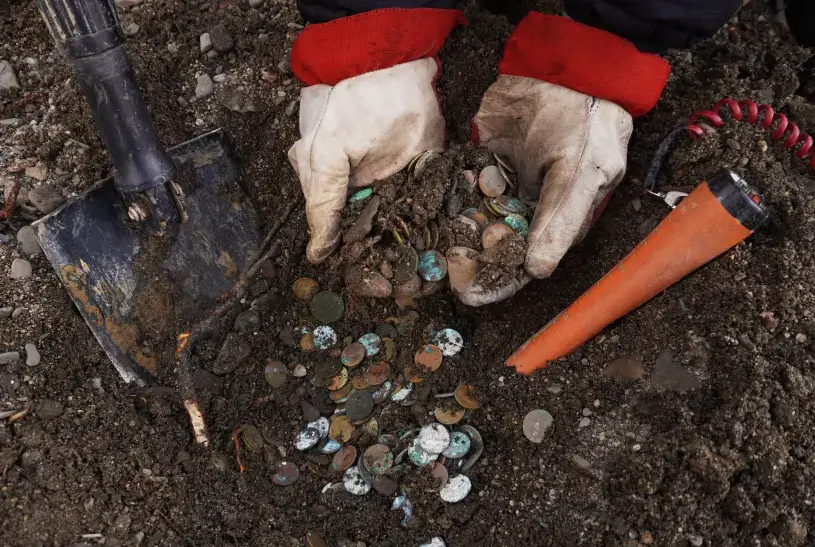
[136,289]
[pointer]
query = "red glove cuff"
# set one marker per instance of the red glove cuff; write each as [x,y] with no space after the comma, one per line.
[585,59]
[327,53]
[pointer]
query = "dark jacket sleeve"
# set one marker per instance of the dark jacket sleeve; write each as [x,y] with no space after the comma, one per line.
[321,11]
[655,25]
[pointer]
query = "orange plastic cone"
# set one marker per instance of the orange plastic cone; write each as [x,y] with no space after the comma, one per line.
[717,215]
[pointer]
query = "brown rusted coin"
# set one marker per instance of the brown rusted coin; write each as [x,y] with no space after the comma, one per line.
[338,381]
[353,354]
[341,393]
[360,382]
[377,373]
[390,348]
[429,357]
[438,472]
[414,374]
[314,540]
[307,343]
[359,405]
[467,397]
[449,416]
[305,288]
[344,459]
[341,429]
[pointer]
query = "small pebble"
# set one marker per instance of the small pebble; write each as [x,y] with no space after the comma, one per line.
[32,358]
[299,371]
[28,242]
[255,3]
[536,424]
[8,80]
[219,78]
[132,29]
[587,412]
[801,338]
[636,204]
[205,42]
[6,312]
[21,269]
[9,357]
[555,390]
[222,41]
[45,198]
[203,86]
[585,422]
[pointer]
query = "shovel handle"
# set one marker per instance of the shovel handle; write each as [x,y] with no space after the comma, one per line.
[88,32]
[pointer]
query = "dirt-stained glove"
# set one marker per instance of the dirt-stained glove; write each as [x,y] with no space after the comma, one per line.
[567,144]
[369,108]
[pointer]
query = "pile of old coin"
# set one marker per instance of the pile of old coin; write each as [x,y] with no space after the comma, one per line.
[418,269]
[358,382]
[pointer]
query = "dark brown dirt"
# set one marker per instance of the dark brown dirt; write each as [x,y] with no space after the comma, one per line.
[729,463]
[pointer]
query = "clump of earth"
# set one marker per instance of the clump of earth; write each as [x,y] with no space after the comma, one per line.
[448,219]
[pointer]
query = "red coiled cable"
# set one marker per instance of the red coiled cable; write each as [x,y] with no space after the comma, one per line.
[754,111]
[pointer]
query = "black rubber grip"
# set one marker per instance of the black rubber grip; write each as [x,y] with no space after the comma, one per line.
[88,32]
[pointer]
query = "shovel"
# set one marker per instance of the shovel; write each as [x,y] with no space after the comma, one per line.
[154,249]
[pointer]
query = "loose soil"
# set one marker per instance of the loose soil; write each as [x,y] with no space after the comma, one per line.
[727,463]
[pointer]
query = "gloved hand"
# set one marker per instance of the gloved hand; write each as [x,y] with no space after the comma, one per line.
[369,108]
[567,145]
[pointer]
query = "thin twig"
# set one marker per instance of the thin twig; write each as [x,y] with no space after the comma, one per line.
[204,329]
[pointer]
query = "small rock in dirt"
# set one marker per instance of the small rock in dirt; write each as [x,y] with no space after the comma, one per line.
[205,380]
[284,66]
[220,462]
[647,226]
[222,41]
[219,78]
[580,462]
[255,3]
[248,322]
[17,312]
[45,198]
[32,356]
[205,42]
[627,367]
[9,357]
[124,4]
[696,541]
[636,204]
[299,371]
[132,29]
[555,390]
[37,172]
[364,223]
[367,283]
[9,383]
[671,376]
[6,312]
[801,338]
[232,354]
[30,460]
[292,107]
[21,269]
[28,242]
[310,413]
[49,409]
[739,276]
[8,80]
[769,320]
[584,422]
[203,86]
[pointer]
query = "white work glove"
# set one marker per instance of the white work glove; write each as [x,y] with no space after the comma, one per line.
[569,151]
[363,129]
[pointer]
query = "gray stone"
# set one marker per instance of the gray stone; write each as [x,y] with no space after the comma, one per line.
[222,41]
[28,242]
[32,356]
[38,172]
[8,80]
[9,357]
[49,409]
[10,122]
[172,47]
[5,312]
[585,422]
[17,312]
[128,3]
[247,322]
[132,29]
[255,3]
[205,42]
[234,351]
[284,66]
[647,226]
[211,54]
[292,107]
[21,269]
[204,86]
[636,204]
